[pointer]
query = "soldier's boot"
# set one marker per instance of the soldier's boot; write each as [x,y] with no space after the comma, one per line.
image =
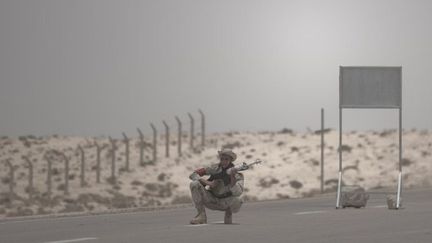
[201,217]
[228,216]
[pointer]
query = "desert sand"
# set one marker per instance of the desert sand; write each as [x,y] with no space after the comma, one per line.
[290,168]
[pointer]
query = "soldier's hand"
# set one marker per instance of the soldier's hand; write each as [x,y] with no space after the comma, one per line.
[194,176]
[206,182]
[232,171]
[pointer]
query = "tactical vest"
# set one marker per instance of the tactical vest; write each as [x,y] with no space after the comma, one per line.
[223,176]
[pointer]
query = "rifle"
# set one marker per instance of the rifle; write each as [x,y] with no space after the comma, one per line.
[245,166]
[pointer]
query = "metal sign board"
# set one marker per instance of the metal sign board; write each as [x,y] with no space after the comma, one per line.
[370,87]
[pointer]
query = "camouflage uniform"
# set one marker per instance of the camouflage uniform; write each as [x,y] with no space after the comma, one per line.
[222,197]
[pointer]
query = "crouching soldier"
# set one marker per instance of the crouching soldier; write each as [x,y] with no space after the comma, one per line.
[221,191]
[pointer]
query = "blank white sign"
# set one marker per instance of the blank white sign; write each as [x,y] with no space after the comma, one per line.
[370,87]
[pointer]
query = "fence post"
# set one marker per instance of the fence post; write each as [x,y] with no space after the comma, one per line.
[202,128]
[11,178]
[141,145]
[126,140]
[49,181]
[191,140]
[66,175]
[82,183]
[167,139]
[98,151]
[154,142]
[113,148]
[179,142]
[30,183]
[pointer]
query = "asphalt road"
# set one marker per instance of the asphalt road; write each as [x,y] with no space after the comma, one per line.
[295,220]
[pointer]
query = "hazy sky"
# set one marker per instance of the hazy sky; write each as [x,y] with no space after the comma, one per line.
[100,67]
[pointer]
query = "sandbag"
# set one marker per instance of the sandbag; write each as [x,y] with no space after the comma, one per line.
[353,196]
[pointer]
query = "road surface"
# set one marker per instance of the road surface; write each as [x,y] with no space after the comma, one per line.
[293,220]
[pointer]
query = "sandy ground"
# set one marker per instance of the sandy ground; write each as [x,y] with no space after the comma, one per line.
[291,168]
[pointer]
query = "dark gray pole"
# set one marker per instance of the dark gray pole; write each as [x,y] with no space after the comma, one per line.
[126,141]
[98,151]
[179,139]
[167,139]
[191,141]
[30,182]
[202,128]
[141,145]
[154,142]
[113,148]
[49,176]
[82,181]
[322,150]
[66,165]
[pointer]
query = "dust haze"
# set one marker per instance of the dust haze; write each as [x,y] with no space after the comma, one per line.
[103,67]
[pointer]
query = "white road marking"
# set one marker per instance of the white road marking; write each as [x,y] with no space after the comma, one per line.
[71,217]
[49,219]
[218,222]
[73,240]
[310,212]
[379,206]
[197,225]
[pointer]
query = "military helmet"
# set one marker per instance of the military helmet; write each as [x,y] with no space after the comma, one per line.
[227,152]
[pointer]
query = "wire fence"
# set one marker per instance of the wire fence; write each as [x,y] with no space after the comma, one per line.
[58,160]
